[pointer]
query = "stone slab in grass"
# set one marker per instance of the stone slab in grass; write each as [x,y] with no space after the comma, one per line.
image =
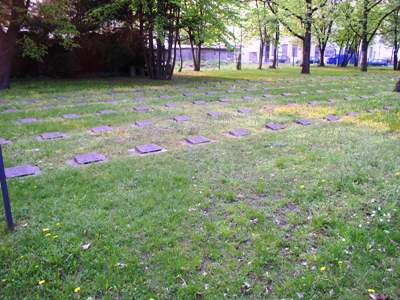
[214,114]
[238,132]
[106,112]
[170,104]
[245,110]
[224,100]
[141,108]
[4,142]
[267,96]
[52,136]
[27,120]
[304,122]
[71,116]
[11,110]
[388,107]
[275,126]
[166,96]
[199,102]
[182,118]
[21,171]
[89,158]
[147,149]
[138,99]
[352,114]
[247,98]
[188,94]
[211,93]
[332,118]
[111,101]
[143,123]
[101,129]
[46,107]
[197,139]
[286,94]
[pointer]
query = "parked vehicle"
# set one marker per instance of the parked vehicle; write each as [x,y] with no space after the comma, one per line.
[378,63]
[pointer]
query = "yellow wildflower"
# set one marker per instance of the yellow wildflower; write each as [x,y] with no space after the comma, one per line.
[371,291]
[322,269]
[55,236]
[47,234]
[77,289]
[45,230]
[302,187]
[397,174]
[41,282]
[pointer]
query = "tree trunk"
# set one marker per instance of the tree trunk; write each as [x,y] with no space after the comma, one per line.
[180,55]
[306,54]
[395,60]
[397,88]
[7,49]
[307,39]
[276,45]
[239,59]
[267,50]
[357,55]
[321,56]
[364,55]
[364,40]
[197,66]
[260,59]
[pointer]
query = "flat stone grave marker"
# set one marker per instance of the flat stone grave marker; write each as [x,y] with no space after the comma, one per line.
[188,94]
[143,123]
[197,139]
[199,102]
[138,99]
[20,171]
[170,104]
[304,122]
[46,107]
[224,100]
[387,107]
[142,108]
[52,136]
[275,126]
[247,98]
[181,118]
[215,114]
[364,97]
[332,118]
[27,120]
[352,114]
[286,94]
[4,142]
[238,132]
[147,149]
[231,91]
[11,110]
[106,112]
[89,158]
[267,96]
[166,96]
[101,129]
[111,101]
[210,93]
[245,110]
[71,116]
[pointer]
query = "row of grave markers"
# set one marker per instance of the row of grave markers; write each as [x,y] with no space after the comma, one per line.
[146,149]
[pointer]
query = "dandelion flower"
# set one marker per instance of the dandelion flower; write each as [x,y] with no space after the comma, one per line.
[397,174]
[371,291]
[322,269]
[302,187]
[44,230]
[77,289]
[55,236]
[41,282]
[47,234]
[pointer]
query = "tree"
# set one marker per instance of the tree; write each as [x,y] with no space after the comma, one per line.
[12,16]
[391,34]
[204,22]
[365,19]
[397,88]
[297,17]
[323,24]
[51,16]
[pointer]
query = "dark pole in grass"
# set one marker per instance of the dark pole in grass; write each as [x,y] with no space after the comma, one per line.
[4,191]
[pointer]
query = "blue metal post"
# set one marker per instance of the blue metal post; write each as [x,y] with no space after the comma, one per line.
[4,191]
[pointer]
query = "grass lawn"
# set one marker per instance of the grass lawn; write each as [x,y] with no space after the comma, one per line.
[307,212]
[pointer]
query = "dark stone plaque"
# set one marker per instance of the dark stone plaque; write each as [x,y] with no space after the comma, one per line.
[52,135]
[20,171]
[182,118]
[275,126]
[148,148]
[101,129]
[239,132]
[304,122]
[89,158]
[197,139]
[143,123]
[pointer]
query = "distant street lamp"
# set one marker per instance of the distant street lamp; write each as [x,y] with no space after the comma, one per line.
[4,191]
